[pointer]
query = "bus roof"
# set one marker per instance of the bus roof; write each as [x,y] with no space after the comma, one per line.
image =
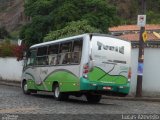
[73,37]
[58,40]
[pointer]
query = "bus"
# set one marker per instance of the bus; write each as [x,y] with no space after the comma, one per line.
[89,64]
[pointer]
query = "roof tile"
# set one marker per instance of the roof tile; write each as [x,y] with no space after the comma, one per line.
[135,37]
[134,27]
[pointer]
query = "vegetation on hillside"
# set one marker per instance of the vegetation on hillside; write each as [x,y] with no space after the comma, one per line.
[71,29]
[54,16]
[53,19]
[128,10]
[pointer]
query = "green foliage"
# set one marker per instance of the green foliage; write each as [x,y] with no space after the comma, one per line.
[6,49]
[129,9]
[63,14]
[54,15]
[38,7]
[72,28]
[98,13]
[34,32]
[11,50]
[153,18]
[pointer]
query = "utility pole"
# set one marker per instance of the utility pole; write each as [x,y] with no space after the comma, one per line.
[141,54]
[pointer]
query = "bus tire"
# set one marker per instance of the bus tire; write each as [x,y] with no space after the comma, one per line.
[33,91]
[59,96]
[25,88]
[93,98]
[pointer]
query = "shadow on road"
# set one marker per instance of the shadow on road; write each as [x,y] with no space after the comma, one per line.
[75,100]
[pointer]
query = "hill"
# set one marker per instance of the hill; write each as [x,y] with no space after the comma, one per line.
[128,10]
[11,14]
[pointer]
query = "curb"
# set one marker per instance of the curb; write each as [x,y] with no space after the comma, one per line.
[128,98]
[10,83]
[146,99]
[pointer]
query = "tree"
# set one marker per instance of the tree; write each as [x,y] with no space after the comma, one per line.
[72,28]
[98,13]
[153,18]
[153,8]
[39,7]
[35,31]
[128,10]
[53,15]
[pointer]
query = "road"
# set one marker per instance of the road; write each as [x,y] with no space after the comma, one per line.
[13,101]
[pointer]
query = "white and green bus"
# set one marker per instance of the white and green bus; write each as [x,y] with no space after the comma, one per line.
[90,64]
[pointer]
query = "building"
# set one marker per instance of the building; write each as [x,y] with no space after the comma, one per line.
[151,73]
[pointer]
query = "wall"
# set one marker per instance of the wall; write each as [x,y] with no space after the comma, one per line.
[151,81]
[134,64]
[10,69]
[151,73]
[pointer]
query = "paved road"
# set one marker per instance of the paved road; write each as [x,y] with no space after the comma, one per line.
[13,101]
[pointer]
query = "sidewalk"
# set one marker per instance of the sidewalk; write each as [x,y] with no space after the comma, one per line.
[129,98]
[148,99]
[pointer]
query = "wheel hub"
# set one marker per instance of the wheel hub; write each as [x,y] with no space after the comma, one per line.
[25,87]
[57,92]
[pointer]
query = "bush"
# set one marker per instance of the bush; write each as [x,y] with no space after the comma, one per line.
[6,49]
[11,50]
[18,51]
[73,28]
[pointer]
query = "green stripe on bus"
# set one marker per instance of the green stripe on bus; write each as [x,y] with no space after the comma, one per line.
[101,76]
[68,82]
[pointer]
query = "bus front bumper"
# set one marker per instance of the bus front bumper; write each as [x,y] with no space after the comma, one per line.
[87,85]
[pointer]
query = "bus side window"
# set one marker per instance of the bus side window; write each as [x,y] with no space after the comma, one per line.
[31,57]
[42,58]
[77,51]
[64,56]
[52,54]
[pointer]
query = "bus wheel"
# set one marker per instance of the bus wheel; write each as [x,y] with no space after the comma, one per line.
[59,96]
[25,88]
[93,98]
